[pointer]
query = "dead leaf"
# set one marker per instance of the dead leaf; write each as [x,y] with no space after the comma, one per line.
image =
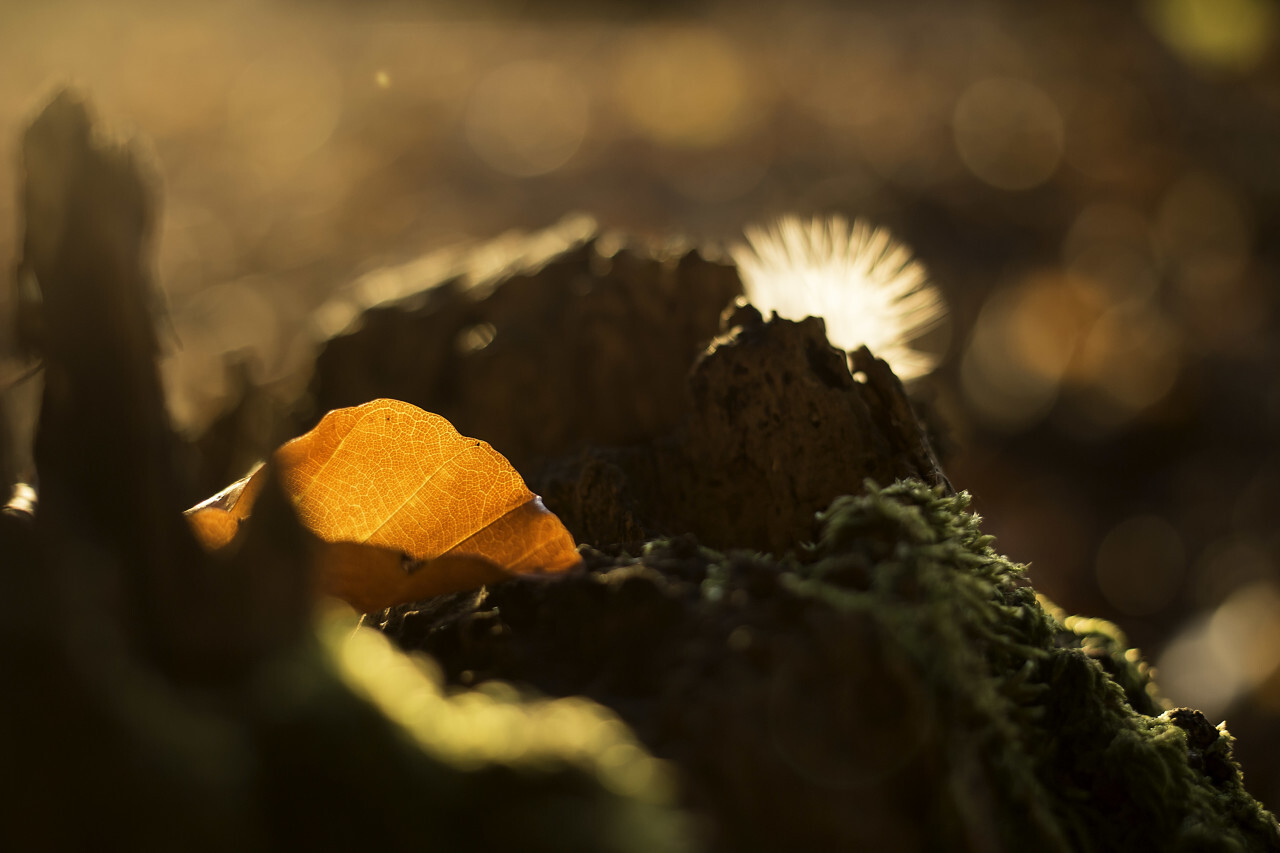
[213,526]
[371,578]
[216,521]
[407,506]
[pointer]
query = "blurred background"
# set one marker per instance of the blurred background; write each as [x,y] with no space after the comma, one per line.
[1094,185]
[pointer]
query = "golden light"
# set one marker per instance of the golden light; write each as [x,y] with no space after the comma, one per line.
[1132,355]
[1008,133]
[863,283]
[1111,243]
[1024,344]
[232,318]
[1247,626]
[282,108]
[686,87]
[1234,651]
[527,118]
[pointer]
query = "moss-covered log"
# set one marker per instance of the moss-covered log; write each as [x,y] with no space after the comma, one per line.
[896,686]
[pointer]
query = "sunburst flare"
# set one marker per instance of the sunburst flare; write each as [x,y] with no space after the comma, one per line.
[866,286]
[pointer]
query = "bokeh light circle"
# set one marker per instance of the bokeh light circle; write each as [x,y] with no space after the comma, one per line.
[1139,565]
[527,118]
[283,108]
[1008,133]
[685,87]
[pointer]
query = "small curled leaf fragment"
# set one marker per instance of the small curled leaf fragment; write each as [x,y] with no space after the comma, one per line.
[216,520]
[405,507]
[213,527]
[233,499]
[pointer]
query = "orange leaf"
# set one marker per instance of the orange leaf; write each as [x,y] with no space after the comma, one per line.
[387,484]
[216,521]
[213,526]
[370,578]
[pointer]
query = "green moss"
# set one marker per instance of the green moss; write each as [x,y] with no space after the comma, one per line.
[894,685]
[1062,715]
